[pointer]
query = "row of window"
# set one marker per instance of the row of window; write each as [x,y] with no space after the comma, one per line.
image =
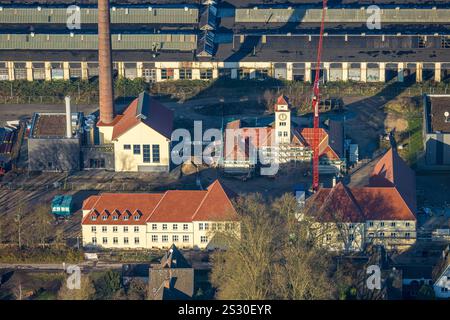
[175,238]
[155,152]
[407,235]
[216,226]
[351,237]
[174,226]
[155,238]
[185,74]
[115,217]
[56,70]
[392,224]
[115,240]
[114,229]
[201,226]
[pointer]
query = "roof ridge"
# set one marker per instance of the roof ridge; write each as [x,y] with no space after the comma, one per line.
[406,204]
[93,208]
[157,205]
[203,200]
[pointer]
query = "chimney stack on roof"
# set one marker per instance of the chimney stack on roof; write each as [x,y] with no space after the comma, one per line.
[106,96]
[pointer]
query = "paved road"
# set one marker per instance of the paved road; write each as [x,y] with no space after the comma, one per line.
[36,267]
[84,266]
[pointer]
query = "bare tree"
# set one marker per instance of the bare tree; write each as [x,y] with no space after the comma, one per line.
[273,258]
[18,223]
[245,269]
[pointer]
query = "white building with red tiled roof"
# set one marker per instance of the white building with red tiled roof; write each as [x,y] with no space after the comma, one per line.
[382,212]
[186,218]
[141,136]
[280,142]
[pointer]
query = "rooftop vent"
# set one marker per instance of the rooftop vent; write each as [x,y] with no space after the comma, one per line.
[446,115]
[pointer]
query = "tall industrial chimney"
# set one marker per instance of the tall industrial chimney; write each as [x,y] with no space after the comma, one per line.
[68,119]
[106,96]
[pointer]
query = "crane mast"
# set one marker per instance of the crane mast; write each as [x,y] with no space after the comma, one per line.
[316,102]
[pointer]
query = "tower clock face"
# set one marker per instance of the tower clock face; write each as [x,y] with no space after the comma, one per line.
[282,117]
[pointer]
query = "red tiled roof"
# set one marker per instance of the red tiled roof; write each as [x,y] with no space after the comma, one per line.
[147,110]
[343,204]
[122,202]
[211,209]
[212,204]
[177,206]
[392,171]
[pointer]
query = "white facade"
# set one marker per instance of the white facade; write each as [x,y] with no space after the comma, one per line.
[187,235]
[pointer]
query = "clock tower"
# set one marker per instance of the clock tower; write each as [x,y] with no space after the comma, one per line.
[282,121]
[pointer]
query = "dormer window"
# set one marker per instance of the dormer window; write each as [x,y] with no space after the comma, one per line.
[126,215]
[116,215]
[137,215]
[104,217]
[93,217]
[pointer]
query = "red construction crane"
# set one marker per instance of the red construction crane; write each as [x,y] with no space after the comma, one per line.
[316,102]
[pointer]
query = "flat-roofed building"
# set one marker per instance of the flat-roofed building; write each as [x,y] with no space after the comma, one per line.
[50,146]
[437,130]
[192,40]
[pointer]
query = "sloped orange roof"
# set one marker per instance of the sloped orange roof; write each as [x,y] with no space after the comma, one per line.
[343,204]
[392,171]
[336,204]
[382,204]
[122,202]
[212,204]
[212,209]
[177,206]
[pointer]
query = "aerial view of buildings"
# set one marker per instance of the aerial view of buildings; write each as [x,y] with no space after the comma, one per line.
[224,150]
